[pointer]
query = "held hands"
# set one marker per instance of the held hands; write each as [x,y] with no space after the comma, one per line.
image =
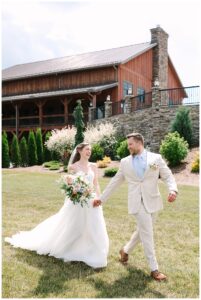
[172,196]
[96,203]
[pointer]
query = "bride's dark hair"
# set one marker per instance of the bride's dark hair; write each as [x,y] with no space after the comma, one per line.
[79,147]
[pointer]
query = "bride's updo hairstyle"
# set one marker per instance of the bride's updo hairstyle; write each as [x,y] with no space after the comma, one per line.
[79,148]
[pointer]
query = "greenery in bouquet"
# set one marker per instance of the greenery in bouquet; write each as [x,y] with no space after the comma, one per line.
[76,188]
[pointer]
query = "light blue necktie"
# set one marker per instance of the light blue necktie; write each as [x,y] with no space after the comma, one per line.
[139,165]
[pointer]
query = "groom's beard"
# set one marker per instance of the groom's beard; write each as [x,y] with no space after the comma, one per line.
[133,152]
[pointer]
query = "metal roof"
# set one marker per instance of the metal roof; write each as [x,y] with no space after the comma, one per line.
[90,60]
[90,89]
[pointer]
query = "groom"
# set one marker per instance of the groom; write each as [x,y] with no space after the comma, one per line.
[142,170]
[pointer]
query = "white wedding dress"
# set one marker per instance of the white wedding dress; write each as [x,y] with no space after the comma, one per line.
[75,233]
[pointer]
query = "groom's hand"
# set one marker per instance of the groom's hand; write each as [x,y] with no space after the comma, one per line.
[96,203]
[172,196]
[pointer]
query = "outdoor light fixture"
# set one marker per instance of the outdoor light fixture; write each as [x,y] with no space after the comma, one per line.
[108,98]
[156,82]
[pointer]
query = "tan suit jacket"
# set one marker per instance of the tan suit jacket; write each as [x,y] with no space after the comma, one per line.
[145,189]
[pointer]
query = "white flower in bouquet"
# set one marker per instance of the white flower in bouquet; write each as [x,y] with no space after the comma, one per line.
[76,188]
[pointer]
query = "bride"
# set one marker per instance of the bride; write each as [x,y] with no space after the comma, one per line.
[75,233]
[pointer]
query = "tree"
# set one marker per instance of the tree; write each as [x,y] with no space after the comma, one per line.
[32,151]
[5,151]
[39,145]
[79,124]
[183,124]
[24,152]
[47,152]
[15,152]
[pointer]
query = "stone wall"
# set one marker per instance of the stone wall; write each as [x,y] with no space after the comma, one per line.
[153,123]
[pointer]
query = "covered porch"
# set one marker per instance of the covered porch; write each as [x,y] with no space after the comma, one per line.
[50,110]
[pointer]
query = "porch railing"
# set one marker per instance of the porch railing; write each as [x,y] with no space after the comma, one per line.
[181,96]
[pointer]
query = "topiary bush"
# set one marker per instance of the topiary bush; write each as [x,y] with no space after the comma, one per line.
[122,150]
[174,148]
[5,151]
[32,151]
[79,123]
[15,152]
[183,124]
[110,172]
[97,153]
[47,153]
[39,146]
[24,152]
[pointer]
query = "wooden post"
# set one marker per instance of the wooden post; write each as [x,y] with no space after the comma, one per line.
[40,107]
[17,119]
[65,103]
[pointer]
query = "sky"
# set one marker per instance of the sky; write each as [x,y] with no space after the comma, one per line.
[35,30]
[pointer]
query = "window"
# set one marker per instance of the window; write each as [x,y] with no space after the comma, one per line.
[127,86]
[141,94]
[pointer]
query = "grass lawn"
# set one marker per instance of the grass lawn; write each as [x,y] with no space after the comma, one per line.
[29,198]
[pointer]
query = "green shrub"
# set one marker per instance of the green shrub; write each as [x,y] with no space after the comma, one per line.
[15,152]
[47,154]
[39,146]
[32,152]
[109,145]
[110,172]
[196,165]
[122,150]
[51,163]
[24,152]
[79,123]
[54,167]
[183,124]
[5,151]
[97,153]
[174,148]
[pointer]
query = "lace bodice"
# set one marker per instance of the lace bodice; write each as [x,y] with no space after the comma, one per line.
[89,176]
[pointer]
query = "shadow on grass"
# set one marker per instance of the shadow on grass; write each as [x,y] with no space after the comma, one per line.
[133,285]
[56,279]
[56,274]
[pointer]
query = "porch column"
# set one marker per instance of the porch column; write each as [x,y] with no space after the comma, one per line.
[40,107]
[108,108]
[17,119]
[65,104]
[127,103]
[156,99]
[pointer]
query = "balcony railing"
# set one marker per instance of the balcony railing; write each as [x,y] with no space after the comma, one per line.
[181,96]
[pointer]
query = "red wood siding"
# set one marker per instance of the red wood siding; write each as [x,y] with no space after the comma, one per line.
[173,81]
[137,71]
[59,81]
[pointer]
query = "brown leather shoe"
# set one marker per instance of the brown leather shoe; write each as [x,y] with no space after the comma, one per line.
[158,275]
[124,257]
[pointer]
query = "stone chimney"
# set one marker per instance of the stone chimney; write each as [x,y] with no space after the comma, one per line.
[160,56]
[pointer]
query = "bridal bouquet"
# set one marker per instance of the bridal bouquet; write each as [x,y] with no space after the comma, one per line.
[76,188]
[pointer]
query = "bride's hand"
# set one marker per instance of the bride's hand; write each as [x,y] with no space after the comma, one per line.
[96,203]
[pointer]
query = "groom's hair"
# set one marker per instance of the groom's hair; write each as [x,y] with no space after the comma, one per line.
[136,136]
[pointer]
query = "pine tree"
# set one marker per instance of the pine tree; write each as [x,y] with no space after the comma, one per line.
[47,153]
[32,152]
[39,145]
[5,151]
[183,124]
[79,124]
[15,152]
[24,152]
